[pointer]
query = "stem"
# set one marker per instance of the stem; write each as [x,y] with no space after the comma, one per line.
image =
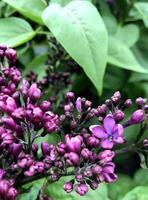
[37,177]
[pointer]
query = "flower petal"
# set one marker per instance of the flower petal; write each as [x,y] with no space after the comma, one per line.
[109,123]
[118,130]
[97,131]
[106,144]
[119,140]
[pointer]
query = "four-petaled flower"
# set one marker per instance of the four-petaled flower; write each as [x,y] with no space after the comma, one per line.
[109,133]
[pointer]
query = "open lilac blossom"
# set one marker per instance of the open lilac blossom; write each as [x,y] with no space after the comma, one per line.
[109,133]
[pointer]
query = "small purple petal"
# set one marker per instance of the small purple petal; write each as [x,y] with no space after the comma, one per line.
[118,130]
[109,123]
[79,104]
[106,144]
[119,140]
[97,131]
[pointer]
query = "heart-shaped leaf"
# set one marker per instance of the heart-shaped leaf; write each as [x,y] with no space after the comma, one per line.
[81,31]
[15,31]
[121,56]
[31,8]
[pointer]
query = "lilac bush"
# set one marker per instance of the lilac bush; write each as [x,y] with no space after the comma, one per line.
[87,135]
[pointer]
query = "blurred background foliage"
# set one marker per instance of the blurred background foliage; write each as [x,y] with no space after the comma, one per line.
[40,53]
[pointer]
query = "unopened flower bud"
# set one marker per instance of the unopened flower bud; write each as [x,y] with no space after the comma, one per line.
[93,185]
[81,189]
[34,92]
[72,158]
[70,96]
[85,153]
[92,142]
[119,115]
[140,101]
[137,116]
[12,193]
[128,103]
[79,104]
[96,169]
[79,177]
[68,187]
[11,55]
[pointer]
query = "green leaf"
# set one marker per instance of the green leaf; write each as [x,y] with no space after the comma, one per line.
[108,18]
[32,190]
[128,34]
[136,77]
[121,56]
[81,31]
[61,2]
[55,191]
[139,193]
[37,65]
[15,31]
[31,8]
[142,9]
[141,177]
[118,189]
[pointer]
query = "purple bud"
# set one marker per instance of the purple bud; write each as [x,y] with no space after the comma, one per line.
[128,103]
[140,101]
[34,92]
[67,108]
[45,106]
[15,149]
[102,109]
[24,87]
[137,116]
[92,142]
[96,169]
[9,122]
[7,138]
[4,186]
[11,55]
[72,158]
[34,149]
[88,104]
[10,104]
[106,156]
[88,173]
[145,142]
[68,187]
[79,177]
[81,189]
[46,148]
[19,113]
[3,47]
[119,115]
[11,194]
[25,161]
[79,104]
[37,114]
[94,185]
[73,144]
[55,177]
[109,178]
[61,148]
[85,153]
[2,53]
[70,96]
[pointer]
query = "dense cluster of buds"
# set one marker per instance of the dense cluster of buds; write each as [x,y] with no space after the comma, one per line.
[87,135]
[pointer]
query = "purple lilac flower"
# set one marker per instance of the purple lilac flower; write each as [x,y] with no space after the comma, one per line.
[109,133]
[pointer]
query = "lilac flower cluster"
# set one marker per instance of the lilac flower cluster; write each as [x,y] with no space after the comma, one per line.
[86,135]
